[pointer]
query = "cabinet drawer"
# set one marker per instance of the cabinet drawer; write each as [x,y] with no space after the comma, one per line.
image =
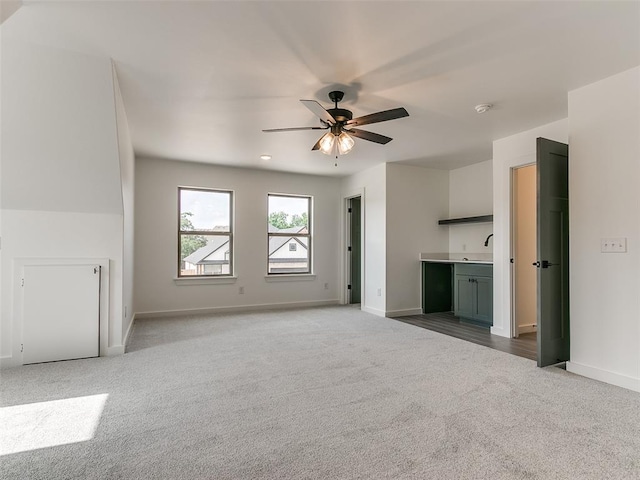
[474,270]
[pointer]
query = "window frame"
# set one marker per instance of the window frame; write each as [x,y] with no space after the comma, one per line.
[308,235]
[206,232]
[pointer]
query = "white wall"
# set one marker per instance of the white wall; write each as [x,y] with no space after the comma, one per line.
[59,150]
[416,199]
[604,171]
[127,180]
[470,194]
[510,152]
[372,185]
[156,206]
[59,155]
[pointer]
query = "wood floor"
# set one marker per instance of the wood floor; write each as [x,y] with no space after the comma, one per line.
[448,324]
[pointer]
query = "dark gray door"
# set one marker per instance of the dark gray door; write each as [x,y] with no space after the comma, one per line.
[355,249]
[553,252]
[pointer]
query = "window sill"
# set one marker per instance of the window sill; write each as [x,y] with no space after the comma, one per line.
[290,277]
[182,281]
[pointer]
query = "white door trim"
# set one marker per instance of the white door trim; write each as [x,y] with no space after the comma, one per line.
[344,295]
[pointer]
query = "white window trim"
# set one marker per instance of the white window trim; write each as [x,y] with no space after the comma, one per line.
[191,279]
[290,277]
[208,280]
[293,276]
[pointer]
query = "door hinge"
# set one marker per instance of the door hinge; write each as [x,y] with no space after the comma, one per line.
[348,249]
[349,210]
[22,283]
[348,287]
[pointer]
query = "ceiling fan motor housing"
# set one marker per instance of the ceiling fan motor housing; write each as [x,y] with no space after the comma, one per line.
[340,114]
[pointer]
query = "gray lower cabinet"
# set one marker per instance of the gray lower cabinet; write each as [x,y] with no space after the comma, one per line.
[473,293]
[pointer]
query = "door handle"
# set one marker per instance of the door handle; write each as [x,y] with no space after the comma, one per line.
[544,264]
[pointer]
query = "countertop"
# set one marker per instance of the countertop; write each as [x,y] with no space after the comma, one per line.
[481,258]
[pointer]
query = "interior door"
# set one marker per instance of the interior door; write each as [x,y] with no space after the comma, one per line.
[61,309]
[355,249]
[553,252]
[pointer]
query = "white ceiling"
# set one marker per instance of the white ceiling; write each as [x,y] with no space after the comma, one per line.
[200,80]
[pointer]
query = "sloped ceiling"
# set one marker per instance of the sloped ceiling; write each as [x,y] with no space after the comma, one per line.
[200,80]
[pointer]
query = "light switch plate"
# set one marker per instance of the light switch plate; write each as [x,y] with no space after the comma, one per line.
[613,245]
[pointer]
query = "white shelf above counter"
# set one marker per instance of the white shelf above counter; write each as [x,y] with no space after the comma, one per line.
[482,258]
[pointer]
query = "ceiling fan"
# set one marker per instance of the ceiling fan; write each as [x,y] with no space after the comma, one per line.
[338,119]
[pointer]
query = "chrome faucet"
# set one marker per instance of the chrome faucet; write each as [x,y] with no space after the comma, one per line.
[486,242]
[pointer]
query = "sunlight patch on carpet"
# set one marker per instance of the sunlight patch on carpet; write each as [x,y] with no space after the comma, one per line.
[48,424]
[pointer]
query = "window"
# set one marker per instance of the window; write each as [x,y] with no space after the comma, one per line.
[205,233]
[289,232]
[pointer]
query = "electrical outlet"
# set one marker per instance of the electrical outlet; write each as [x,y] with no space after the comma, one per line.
[241,290]
[613,245]
[326,286]
[379,292]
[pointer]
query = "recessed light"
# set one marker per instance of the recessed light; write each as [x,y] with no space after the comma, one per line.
[483,107]
[265,157]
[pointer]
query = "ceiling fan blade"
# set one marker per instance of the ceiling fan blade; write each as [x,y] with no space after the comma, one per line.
[293,129]
[372,137]
[319,111]
[379,117]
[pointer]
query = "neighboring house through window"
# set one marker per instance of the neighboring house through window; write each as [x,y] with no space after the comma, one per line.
[205,233]
[289,232]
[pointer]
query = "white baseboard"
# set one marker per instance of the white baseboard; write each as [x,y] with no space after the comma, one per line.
[6,362]
[127,336]
[115,350]
[605,376]
[527,328]
[501,332]
[374,311]
[239,308]
[403,313]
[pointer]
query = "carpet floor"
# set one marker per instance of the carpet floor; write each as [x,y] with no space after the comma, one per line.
[319,393]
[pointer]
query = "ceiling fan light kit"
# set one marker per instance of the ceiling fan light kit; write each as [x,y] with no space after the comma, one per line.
[337,119]
[345,143]
[330,141]
[326,143]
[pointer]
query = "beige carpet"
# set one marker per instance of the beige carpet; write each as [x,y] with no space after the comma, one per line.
[326,393]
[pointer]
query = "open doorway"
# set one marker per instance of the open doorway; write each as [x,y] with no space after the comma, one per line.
[540,251]
[524,235]
[354,250]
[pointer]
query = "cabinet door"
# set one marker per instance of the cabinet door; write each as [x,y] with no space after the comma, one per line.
[464,296]
[436,287]
[484,299]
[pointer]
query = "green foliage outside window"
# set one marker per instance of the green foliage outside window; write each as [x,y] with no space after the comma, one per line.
[281,220]
[189,243]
